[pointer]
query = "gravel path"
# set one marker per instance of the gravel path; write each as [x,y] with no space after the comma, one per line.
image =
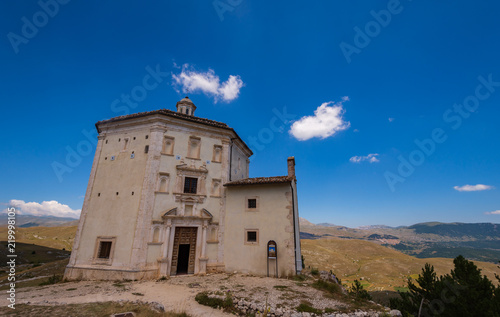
[177,293]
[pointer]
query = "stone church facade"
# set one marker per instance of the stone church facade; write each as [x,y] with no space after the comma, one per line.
[169,193]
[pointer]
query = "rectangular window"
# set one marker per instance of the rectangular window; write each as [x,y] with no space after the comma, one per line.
[190,185]
[252,203]
[104,249]
[251,236]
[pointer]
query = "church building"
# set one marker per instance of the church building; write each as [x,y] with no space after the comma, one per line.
[169,193]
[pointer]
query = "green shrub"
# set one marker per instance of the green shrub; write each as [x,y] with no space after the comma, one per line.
[314,271]
[227,303]
[358,292]
[305,307]
[332,288]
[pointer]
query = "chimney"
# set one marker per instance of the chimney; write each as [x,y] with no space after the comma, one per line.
[291,166]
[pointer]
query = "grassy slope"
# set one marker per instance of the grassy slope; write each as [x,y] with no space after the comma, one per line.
[479,242]
[51,237]
[381,268]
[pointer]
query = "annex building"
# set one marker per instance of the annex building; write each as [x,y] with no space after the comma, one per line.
[169,193]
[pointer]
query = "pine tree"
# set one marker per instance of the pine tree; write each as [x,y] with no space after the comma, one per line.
[463,292]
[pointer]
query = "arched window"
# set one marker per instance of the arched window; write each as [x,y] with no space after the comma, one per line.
[163,184]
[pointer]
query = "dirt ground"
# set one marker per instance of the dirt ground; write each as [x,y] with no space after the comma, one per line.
[177,293]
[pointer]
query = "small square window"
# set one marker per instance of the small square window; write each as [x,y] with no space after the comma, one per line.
[252,236]
[104,249]
[252,203]
[146,149]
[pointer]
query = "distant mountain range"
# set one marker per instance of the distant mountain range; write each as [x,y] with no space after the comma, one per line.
[476,241]
[456,229]
[26,221]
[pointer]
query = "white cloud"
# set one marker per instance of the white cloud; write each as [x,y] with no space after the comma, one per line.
[372,158]
[496,212]
[208,83]
[46,208]
[472,188]
[326,121]
[391,119]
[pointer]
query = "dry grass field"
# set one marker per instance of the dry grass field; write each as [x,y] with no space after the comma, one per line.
[378,267]
[51,237]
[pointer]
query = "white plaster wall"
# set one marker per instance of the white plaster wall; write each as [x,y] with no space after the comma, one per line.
[274,220]
[110,214]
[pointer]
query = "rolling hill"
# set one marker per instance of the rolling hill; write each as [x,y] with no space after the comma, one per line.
[51,237]
[378,267]
[475,241]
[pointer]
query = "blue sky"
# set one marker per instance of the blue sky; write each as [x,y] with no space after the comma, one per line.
[354,88]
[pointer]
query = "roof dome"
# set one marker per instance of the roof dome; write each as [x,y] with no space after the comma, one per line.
[186,106]
[185,100]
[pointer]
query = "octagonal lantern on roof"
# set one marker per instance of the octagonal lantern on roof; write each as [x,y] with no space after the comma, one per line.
[186,106]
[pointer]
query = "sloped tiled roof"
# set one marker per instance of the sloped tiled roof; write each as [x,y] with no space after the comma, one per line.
[260,180]
[169,113]
[177,115]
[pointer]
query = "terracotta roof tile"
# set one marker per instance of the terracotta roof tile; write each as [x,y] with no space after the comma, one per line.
[260,180]
[169,113]
[174,114]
